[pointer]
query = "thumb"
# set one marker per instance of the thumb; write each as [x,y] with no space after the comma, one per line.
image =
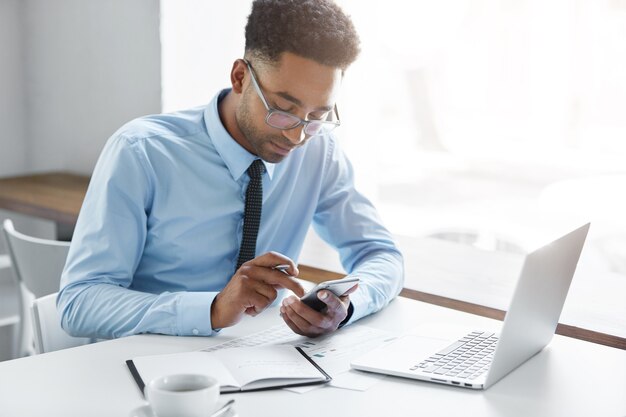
[330,299]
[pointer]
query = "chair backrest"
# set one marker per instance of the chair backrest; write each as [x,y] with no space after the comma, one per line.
[49,335]
[37,266]
[38,263]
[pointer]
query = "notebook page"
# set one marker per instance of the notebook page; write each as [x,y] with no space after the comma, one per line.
[270,362]
[154,366]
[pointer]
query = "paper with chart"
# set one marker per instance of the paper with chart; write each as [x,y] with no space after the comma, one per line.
[333,352]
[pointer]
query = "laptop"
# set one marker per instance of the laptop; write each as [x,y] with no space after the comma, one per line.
[481,358]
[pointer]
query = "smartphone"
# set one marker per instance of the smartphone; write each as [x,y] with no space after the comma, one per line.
[338,287]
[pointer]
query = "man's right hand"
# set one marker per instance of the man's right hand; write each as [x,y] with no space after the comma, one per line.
[253,288]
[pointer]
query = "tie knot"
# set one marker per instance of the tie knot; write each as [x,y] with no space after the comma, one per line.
[256,169]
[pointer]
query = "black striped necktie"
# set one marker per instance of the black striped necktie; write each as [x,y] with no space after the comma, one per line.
[252,212]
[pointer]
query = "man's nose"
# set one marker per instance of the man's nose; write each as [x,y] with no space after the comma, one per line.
[295,135]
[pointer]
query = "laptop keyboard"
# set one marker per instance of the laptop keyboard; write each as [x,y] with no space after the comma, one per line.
[468,358]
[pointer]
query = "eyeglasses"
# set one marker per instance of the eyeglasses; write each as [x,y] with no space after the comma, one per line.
[283,120]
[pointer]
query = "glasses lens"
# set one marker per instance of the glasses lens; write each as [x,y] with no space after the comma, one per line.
[282,120]
[316,128]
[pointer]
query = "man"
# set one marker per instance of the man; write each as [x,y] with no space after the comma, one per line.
[179,205]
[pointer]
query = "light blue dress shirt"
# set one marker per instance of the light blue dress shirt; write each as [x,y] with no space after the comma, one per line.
[159,231]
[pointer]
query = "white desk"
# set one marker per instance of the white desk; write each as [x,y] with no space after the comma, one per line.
[93,380]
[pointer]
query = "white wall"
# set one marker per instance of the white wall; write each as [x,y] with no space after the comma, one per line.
[71,72]
[12,139]
[89,67]
[200,41]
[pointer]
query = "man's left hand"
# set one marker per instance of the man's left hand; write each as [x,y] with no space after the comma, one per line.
[303,320]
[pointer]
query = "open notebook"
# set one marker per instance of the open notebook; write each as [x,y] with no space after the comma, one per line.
[237,369]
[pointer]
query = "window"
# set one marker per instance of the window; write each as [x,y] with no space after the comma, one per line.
[499,125]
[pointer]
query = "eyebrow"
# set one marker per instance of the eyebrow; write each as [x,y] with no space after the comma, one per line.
[298,103]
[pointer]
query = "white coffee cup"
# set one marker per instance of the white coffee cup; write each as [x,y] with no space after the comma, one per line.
[183,395]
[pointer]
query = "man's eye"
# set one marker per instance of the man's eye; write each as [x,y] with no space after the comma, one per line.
[285,109]
[318,116]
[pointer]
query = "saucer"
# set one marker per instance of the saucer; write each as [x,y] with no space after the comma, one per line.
[143,411]
[146,411]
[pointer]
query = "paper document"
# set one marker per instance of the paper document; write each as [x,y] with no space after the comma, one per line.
[275,335]
[333,352]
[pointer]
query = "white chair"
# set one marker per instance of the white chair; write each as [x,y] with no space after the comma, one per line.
[37,265]
[48,333]
[9,309]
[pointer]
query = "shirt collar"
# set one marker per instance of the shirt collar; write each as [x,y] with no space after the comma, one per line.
[235,156]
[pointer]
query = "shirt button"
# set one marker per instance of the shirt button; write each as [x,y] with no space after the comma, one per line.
[195,331]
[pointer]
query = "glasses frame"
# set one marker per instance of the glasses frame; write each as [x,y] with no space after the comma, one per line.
[327,125]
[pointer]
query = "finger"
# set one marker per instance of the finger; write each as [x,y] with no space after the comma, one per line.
[256,301]
[336,307]
[291,324]
[351,290]
[272,277]
[300,322]
[272,259]
[252,287]
[312,317]
[345,300]
[267,291]
[331,300]
[283,281]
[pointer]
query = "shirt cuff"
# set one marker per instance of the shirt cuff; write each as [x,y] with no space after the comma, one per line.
[194,314]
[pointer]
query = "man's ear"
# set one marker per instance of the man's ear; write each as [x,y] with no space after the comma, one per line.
[237,75]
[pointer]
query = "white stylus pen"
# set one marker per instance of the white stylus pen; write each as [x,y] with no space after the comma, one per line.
[282,268]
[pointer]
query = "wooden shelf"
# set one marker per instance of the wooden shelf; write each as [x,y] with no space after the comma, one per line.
[55,196]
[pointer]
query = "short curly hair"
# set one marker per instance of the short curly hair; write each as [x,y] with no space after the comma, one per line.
[314,29]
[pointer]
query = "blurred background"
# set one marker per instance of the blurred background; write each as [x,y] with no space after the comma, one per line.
[493,124]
